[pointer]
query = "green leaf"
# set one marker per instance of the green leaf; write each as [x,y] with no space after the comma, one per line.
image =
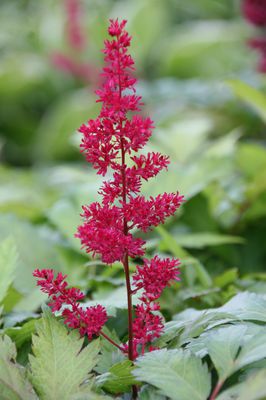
[65,216]
[200,240]
[228,276]
[13,382]
[36,246]
[246,306]
[170,243]
[89,395]
[148,392]
[253,388]
[253,350]
[60,122]
[184,54]
[177,373]
[110,355]
[8,263]
[232,347]
[119,379]
[223,346]
[59,365]
[251,96]
[251,158]
[21,334]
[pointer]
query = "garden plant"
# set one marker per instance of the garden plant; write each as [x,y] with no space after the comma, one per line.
[114,285]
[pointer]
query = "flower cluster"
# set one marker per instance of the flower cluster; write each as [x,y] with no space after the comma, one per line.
[107,143]
[255,13]
[88,321]
[152,277]
[76,41]
[75,35]
[110,142]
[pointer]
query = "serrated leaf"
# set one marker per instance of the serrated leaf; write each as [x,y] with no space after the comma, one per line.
[119,379]
[8,262]
[223,345]
[232,347]
[178,374]
[13,382]
[59,365]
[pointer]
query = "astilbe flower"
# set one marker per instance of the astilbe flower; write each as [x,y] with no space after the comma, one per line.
[254,12]
[88,321]
[74,31]
[76,41]
[108,229]
[108,142]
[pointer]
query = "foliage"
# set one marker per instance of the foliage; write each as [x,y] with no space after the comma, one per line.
[199,80]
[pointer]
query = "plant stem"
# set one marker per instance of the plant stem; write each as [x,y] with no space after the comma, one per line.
[111,341]
[216,390]
[127,273]
[125,259]
[129,305]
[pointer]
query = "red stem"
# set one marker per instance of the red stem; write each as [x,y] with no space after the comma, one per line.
[125,260]
[216,390]
[111,341]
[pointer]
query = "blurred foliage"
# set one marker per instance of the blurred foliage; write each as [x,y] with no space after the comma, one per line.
[199,83]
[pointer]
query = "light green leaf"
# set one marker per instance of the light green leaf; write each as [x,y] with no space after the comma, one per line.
[36,247]
[253,388]
[148,392]
[21,334]
[185,53]
[177,373]
[228,276]
[89,395]
[60,122]
[232,347]
[110,355]
[119,379]
[200,240]
[65,216]
[251,96]
[13,382]
[59,365]
[253,350]
[8,263]
[223,346]
[170,243]
[246,306]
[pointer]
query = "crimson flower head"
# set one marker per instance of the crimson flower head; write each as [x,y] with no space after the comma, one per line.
[89,321]
[109,142]
[110,226]
[255,11]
